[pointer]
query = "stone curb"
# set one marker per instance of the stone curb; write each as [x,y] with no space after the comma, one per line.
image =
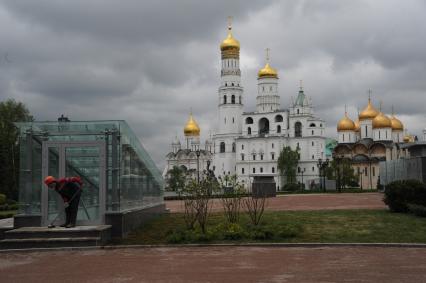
[250,245]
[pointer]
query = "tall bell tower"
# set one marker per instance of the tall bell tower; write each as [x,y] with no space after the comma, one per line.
[230,105]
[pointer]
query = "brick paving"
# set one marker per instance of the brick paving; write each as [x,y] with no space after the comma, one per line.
[309,202]
[229,263]
[218,264]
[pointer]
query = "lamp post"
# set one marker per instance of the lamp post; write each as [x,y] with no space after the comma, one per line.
[198,152]
[339,160]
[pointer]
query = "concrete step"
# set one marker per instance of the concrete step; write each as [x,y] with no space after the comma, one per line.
[57,232]
[50,242]
[43,237]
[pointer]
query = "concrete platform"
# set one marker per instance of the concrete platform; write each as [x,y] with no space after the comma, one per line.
[43,237]
[5,225]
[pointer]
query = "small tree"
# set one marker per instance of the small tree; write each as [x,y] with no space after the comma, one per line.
[231,198]
[255,206]
[197,202]
[176,179]
[287,164]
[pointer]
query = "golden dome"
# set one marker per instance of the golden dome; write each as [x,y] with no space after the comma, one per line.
[396,124]
[357,127]
[369,112]
[381,121]
[267,71]
[407,138]
[191,127]
[230,42]
[346,124]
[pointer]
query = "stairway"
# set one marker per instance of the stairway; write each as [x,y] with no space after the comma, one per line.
[43,237]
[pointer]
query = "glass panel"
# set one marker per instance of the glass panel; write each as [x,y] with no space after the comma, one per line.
[85,163]
[55,203]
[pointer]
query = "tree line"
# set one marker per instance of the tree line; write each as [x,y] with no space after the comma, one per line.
[11,111]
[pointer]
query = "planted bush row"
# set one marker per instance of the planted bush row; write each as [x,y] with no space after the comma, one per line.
[233,232]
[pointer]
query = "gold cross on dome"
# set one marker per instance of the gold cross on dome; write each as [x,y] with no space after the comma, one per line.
[229,22]
[267,54]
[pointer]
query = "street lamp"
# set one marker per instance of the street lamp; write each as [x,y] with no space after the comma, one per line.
[198,152]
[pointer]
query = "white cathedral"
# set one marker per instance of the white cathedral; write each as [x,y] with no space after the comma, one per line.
[248,144]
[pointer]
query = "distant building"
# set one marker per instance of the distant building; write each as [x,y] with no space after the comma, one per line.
[373,138]
[248,144]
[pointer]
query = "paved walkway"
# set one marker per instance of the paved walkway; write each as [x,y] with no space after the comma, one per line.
[218,264]
[309,202]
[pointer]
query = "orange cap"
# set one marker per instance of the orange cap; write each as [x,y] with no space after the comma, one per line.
[49,179]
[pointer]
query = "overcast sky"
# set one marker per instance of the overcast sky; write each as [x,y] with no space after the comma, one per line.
[149,62]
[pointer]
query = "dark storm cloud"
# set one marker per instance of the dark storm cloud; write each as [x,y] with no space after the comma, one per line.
[150,62]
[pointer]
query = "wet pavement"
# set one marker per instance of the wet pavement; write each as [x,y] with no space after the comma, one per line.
[218,264]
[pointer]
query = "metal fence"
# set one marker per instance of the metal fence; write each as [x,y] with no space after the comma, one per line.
[403,169]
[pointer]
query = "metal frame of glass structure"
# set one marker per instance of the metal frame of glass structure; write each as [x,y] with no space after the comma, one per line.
[117,172]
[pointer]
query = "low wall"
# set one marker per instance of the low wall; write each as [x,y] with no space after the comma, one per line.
[124,222]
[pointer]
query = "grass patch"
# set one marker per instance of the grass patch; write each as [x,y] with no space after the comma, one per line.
[331,226]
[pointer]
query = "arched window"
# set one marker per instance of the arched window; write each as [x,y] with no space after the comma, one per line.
[263,126]
[242,170]
[224,99]
[233,147]
[248,131]
[249,120]
[278,129]
[261,169]
[273,169]
[222,147]
[226,84]
[232,84]
[298,129]
[254,170]
[312,125]
[297,111]
[233,99]
[278,118]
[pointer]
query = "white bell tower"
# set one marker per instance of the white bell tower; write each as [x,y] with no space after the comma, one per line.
[230,104]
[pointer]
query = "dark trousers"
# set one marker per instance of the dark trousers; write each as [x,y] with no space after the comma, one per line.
[72,209]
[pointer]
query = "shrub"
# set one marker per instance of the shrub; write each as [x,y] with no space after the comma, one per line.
[416,209]
[290,231]
[230,231]
[261,233]
[399,193]
[189,236]
[292,187]
[6,207]
[2,199]
[176,237]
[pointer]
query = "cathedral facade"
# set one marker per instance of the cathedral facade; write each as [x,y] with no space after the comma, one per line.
[372,138]
[248,144]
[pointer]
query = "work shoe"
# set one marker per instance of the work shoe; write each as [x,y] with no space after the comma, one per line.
[70,226]
[63,225]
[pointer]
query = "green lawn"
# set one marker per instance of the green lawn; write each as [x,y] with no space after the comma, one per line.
[331,226]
